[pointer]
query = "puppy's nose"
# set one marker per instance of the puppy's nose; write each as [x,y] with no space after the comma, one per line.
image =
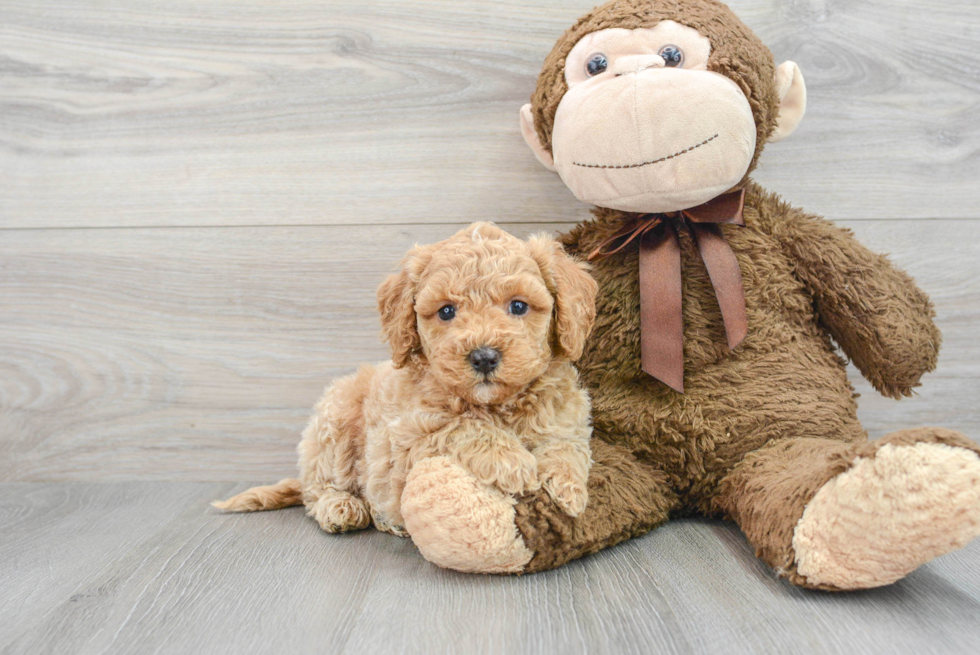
[484,360]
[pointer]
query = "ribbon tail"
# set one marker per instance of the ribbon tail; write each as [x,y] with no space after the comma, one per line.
[726,278]
[661,310]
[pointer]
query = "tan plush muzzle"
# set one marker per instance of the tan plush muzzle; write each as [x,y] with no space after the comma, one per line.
[655,140]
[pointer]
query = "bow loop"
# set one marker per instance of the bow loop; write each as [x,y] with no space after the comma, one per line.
[723,209]
[635,229]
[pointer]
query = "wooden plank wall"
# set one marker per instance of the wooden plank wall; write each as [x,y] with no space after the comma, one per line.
[198,198]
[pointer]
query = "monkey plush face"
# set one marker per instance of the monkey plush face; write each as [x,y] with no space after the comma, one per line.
[659,105]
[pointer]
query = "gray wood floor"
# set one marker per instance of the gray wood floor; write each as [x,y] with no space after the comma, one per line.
[149,567]
[197,201]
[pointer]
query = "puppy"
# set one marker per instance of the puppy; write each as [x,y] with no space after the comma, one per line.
[483,329]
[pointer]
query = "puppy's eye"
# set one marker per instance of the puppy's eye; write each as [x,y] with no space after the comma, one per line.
[447,313]
[673,56]
[597,64]
[518,307]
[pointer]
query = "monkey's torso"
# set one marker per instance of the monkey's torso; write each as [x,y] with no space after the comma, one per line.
[785,379]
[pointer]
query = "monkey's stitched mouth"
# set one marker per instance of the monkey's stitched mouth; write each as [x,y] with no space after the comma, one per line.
[648,163]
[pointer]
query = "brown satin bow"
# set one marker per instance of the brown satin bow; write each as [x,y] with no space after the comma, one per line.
[661,318]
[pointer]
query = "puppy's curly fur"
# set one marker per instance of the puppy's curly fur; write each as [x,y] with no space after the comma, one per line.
[520,426]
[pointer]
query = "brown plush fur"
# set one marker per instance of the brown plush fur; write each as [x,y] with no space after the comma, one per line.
[523,426]
[760,429]
[783,392]
[786,377]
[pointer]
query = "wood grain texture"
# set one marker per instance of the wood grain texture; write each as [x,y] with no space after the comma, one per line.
[189,112]
[196,354]
[150,568]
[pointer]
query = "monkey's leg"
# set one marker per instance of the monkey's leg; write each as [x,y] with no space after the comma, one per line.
[835,515]
[458,523]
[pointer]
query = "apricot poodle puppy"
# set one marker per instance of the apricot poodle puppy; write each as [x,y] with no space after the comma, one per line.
[483,329]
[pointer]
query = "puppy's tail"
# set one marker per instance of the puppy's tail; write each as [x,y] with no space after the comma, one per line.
[284,493]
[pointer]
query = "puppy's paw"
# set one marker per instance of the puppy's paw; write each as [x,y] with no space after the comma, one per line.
[569,493]
[386,524]
[517,472]
[511,468]
[339,511]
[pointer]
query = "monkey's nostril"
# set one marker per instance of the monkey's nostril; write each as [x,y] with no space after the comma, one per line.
[484,359]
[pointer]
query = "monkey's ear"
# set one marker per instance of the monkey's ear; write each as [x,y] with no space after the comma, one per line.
[792,100]
[531,138]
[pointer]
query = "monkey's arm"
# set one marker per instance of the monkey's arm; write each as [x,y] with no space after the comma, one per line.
[874,311]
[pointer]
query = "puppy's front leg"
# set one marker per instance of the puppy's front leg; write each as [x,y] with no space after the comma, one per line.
[564,470]
[495,457]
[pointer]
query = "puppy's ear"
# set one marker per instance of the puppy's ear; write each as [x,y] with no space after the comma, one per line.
[574,291]
[396,303]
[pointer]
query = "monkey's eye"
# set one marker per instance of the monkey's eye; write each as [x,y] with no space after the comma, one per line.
[447,313]
[673,56]
[597,64]
[518,307]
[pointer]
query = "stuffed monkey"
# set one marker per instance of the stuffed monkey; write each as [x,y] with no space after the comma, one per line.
[716,383]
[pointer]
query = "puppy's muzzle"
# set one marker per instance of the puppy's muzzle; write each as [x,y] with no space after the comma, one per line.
[485,360]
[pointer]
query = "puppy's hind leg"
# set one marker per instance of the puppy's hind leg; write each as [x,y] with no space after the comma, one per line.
[339,511]
[329,453]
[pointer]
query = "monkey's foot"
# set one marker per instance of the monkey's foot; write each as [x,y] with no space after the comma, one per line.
[889,513]
[458,523]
